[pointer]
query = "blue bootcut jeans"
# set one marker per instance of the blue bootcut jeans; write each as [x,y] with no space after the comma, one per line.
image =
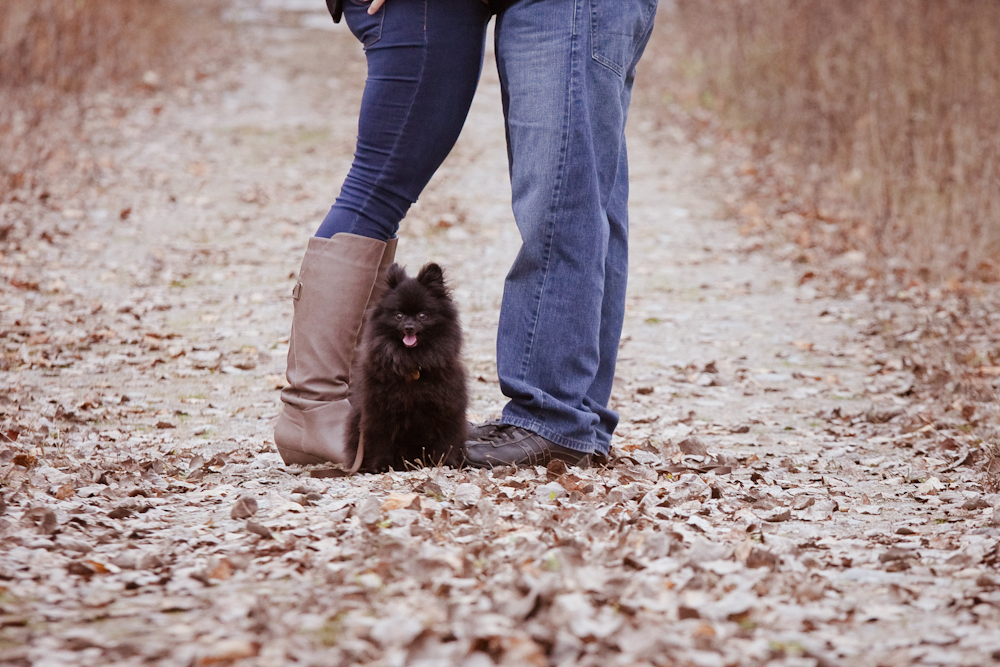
[566,70]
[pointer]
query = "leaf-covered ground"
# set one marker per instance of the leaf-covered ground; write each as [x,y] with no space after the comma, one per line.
[778,495]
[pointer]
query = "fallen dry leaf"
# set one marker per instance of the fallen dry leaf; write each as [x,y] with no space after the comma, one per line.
[398,501]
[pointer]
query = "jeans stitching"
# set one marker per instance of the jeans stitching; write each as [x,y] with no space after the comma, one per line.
[638,38]
[594,29]
[381,23]
[554,210]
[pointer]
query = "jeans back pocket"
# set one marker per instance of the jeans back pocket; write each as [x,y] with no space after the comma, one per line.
[617,30]
[367,28]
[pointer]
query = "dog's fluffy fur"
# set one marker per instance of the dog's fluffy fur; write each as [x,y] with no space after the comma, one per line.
[408,406]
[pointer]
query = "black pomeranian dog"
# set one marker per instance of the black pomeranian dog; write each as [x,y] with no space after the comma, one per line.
[408,406]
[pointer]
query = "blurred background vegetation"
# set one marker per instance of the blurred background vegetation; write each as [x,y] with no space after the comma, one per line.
[70,45]
[884,113]
[57,55]
[886,110]
[861,138]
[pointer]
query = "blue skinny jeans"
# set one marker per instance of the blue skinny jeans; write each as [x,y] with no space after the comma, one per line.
[424,60]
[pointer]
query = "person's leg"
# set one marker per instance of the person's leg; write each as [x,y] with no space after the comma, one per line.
[424,60]
[566,69]
[616,265]
[612,310]
[331,298]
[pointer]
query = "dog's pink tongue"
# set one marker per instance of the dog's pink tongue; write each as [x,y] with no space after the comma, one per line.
[409,340]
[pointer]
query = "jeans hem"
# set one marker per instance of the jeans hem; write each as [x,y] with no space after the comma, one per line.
[536,427]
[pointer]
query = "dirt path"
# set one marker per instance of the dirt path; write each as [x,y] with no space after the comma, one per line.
[774,498]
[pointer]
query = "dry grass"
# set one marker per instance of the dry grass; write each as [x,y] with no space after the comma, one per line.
[71,45]
[894,103]
[57,53]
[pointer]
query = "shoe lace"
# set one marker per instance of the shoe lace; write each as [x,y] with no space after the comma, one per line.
[502,433]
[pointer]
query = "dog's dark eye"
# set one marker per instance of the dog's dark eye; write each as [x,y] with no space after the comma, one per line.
[421,316]
[399,316]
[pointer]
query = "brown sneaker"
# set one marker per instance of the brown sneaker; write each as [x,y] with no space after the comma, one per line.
[498,444]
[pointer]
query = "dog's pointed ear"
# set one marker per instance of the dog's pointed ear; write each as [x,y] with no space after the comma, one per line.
[431,276]
[394,275]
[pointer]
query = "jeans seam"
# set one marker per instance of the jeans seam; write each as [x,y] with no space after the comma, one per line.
[598,58]
[639,38]
[556,197]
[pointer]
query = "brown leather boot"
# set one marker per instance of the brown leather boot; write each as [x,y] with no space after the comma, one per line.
[336,283]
